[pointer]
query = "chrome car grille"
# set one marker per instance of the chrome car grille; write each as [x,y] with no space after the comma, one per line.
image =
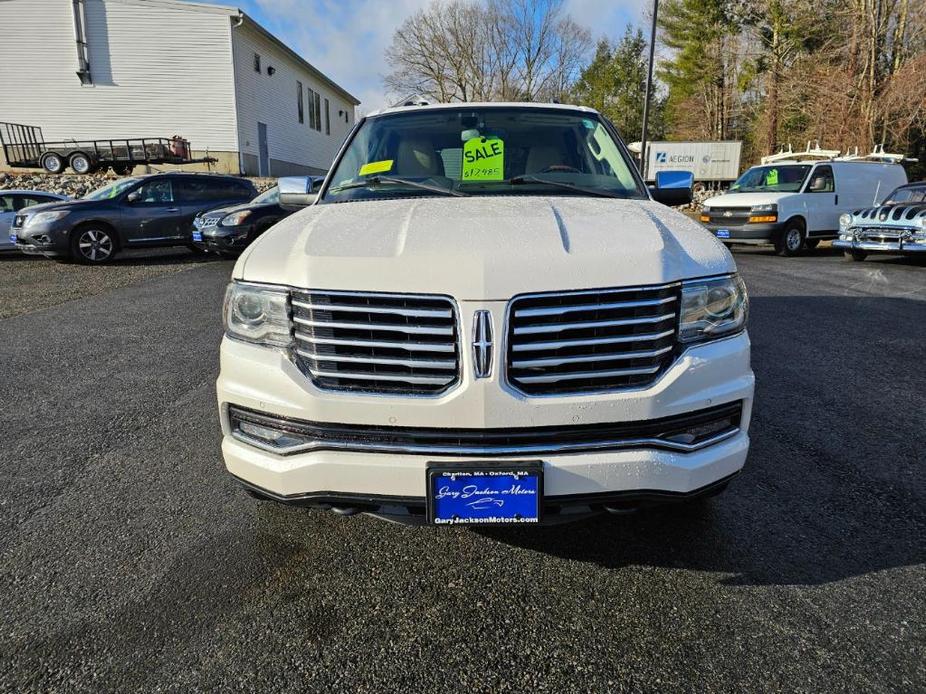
[591,340]
[205,222]
[403,344]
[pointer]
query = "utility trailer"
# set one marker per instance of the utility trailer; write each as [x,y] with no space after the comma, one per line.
[25,147]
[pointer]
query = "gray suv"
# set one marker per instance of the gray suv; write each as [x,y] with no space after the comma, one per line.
[138,212]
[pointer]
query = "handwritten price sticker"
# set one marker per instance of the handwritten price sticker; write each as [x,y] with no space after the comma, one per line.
[484,159]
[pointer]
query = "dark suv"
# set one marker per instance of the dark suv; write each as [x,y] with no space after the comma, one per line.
[138,212]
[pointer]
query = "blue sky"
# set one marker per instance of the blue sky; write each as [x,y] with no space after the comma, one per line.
[346,39]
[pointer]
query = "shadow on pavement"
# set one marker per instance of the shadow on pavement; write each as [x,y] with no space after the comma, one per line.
[833,487]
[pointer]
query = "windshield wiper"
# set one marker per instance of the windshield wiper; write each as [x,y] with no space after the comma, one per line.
[392,180]
[520,180]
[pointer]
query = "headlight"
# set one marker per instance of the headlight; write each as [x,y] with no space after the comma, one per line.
[235,218]
[844,221]
[257,314]
[712,308]
[763,214]
[44,218]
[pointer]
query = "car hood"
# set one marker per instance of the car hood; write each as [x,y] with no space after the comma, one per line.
[239,207]
[58,205]
[745,199]
[897,214]
[483,248]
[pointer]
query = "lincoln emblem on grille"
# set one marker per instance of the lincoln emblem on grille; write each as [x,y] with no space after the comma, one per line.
[482,344]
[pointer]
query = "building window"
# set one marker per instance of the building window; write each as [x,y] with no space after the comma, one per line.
[299,105]
[318,112]
[327,119]
[311,96]
[257,62]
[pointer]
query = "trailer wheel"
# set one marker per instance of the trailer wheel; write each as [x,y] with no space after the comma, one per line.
[122,169]
[53,163]
[81,163]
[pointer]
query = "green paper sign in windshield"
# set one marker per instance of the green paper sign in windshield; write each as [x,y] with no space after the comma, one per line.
[484,159]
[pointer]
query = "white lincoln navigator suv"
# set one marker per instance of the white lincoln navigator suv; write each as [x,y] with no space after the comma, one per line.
[484,316]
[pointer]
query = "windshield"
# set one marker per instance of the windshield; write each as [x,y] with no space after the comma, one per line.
[478,151]
[907,195]
[112,190]
[268,197]
[771,179]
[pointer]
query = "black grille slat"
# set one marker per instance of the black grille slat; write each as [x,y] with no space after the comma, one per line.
[383,343]
[592,340]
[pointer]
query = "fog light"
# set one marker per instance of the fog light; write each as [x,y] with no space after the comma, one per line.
[41,238]
[701,432]
[266,436]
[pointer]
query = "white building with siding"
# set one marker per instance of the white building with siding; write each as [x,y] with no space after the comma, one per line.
[94,69]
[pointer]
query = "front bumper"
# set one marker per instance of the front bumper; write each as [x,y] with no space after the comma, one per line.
[265,380]
[50,240]
[892,243]
[221,239]
[746,233]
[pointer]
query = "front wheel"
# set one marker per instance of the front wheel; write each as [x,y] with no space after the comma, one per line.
[855,255]
[93,245]
[791,240]
[53,163]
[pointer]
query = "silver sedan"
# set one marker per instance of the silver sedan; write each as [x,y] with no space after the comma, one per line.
[11,202]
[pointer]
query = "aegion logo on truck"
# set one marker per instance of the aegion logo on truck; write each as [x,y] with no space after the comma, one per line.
[664,158]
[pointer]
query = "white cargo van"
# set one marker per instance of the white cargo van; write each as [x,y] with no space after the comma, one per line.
[796,204]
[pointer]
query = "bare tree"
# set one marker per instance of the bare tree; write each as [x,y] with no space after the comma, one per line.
[515,50]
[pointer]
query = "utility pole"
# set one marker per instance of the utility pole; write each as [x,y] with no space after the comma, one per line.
[649,88]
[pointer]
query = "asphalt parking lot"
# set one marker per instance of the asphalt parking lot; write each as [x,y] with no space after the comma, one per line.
[130,561]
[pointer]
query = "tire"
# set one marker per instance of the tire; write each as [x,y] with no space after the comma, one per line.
[855,255]
[53,163]
[81,163]
[811,243]
[790,241]
[122,169]
[93,244]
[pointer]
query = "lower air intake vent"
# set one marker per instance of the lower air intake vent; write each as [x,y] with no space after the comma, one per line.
[380,343]
[588,341]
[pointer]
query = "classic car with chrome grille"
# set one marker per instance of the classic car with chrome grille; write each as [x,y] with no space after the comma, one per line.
[898,225]
[484,316]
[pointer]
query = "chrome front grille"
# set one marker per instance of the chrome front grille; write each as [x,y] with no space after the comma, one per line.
[382,343]
[591,340]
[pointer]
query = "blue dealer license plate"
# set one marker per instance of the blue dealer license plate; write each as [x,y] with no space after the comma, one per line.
[499,494]
[723,233]
[197,236]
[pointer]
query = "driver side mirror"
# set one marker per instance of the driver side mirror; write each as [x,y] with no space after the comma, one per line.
[133,197]
[673,187]
[297,192]
[818,184]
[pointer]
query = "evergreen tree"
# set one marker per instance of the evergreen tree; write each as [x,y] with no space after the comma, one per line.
[614,83]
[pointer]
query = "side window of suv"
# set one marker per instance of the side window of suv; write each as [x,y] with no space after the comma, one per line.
[212,189]
[155,192]
[821,180]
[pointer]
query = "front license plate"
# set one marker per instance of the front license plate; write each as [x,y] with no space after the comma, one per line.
[197,236]
[501,494]
[12,238]
[723,233]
